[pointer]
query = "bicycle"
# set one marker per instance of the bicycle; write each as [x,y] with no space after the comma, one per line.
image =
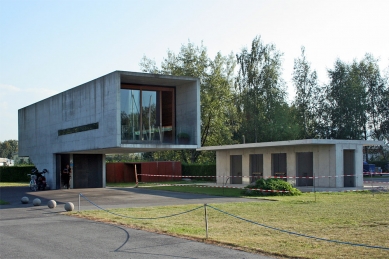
[33,185]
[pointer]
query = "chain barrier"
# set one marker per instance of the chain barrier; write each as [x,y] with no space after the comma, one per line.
[124,216]
[246,176]
[240,218]
[299,234]
[226,187]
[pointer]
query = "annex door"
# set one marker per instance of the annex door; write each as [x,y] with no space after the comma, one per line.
[349,168]
[256,167]
[279,165]
[236,169]
[304,169]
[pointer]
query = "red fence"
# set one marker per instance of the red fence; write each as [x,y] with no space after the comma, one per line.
[147,171]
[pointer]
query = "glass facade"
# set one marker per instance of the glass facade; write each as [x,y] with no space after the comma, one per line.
[147,114]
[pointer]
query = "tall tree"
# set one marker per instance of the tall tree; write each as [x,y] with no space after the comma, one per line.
[262,103]
[308,97]
[347,98]
[8,148]
[218,112]
[375,87]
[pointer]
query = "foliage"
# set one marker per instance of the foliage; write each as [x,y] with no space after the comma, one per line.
[271,184]
[218,113]
[123,158]
[15,173]
[8,148]
[199,170]
[250,105]
[306,102]
[262,96]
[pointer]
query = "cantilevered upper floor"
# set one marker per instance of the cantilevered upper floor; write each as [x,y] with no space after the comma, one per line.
[120,112]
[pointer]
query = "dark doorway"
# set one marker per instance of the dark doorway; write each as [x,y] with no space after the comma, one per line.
[236,169]
[348,168]
[304,169]
[88,171]
[279,165]
[256,167]
[61,161]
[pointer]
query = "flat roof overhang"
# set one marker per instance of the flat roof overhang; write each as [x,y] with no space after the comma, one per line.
[132,148]
[293,143]
[155,79]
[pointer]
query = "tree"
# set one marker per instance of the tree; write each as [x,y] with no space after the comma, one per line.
[8,148]
[261,103]
[347,98]
[375,87]
[307,100]
[216,83]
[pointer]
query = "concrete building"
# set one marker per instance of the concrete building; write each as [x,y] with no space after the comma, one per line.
[121,112]
[322,163]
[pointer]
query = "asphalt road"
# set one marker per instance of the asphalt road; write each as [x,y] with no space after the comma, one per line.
[29,231]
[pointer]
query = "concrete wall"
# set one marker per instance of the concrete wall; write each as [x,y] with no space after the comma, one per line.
[188,112]
[98,101]
[327,161]
[92,102]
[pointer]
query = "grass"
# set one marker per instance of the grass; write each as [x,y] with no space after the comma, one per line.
[13,184]
[4,202]
[357,217]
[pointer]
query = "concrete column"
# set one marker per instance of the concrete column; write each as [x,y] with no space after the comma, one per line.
[339,170]
[266,164]
[291,165]
[104,178]
[358,166]
[246,166]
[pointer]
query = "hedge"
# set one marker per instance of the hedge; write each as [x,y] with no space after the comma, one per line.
[199,170]
[15,173]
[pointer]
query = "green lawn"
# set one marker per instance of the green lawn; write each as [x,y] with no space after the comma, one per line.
[357,217]
[3,184]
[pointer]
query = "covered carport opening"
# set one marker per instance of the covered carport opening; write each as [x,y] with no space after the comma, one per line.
[87,170]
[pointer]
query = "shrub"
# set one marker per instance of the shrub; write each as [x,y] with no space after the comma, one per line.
[15,173]
[271,184]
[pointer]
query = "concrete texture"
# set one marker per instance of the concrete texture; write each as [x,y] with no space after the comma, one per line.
[98,101]
[328,160]
[40,232]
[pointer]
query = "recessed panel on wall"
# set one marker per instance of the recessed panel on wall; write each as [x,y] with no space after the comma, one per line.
[236,169]
[279,165]
[349,168]
[256,167]
[304,170]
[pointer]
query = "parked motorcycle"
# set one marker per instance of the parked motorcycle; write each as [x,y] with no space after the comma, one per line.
[40,178]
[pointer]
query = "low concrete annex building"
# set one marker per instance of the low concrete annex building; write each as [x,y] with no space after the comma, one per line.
[121,112]
[323,163]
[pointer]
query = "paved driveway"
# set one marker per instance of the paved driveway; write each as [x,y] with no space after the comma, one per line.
[29,231]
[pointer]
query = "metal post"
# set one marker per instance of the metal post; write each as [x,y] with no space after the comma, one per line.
[223,185]
[79,201]
[136,177]
[371,179]
[206,221]
[314,184]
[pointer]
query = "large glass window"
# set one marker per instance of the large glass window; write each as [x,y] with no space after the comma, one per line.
[147,114]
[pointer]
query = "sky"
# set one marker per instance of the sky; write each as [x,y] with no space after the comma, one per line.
[47,47]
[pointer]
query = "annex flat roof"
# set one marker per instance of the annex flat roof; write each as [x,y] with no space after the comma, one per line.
[293,143]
